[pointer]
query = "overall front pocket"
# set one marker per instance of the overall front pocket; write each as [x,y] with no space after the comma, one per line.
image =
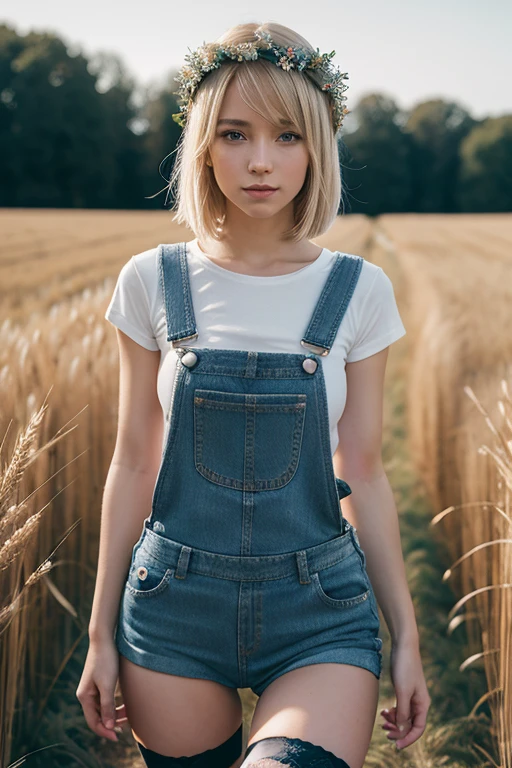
[343,584]
[250,442]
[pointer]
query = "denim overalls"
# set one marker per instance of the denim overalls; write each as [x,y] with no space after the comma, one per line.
[246,568]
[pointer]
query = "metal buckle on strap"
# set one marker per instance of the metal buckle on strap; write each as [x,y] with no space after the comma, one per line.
[315,348]
[177,342]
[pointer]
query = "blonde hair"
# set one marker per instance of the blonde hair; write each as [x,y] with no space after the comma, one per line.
[274,94]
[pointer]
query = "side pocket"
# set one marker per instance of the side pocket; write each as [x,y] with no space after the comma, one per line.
[148,576]
[148,580]
[341,585]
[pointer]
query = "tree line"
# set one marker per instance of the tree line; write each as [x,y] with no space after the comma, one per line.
[78,132]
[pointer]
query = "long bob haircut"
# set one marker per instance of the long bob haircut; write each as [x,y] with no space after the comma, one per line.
[276,95]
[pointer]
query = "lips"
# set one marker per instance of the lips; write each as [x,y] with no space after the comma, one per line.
[260,194]
[262,188]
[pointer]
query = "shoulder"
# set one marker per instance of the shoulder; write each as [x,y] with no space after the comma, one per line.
[373,318]
[145,265]
[373,295]
[371,277]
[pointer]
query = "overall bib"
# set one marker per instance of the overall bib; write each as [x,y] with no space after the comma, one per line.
[246,568]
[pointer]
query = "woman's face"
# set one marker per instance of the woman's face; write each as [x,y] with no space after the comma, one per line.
[248,150]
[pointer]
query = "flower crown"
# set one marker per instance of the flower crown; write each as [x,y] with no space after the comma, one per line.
[210,56]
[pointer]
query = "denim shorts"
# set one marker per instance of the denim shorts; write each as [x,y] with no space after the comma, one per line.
[245,621]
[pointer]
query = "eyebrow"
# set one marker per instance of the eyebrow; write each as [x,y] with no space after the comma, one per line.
[244,123]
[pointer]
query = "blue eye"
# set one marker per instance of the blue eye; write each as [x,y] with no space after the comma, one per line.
[288,133]
[228,133]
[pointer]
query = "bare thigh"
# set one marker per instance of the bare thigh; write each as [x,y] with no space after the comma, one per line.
[177,716]
[332,705]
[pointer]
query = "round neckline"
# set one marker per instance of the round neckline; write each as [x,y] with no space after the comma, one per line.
[193,246]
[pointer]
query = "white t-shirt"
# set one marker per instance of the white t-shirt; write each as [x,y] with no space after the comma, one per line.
[267,314]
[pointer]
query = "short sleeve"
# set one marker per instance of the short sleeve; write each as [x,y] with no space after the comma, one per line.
[379,323]
[129,307]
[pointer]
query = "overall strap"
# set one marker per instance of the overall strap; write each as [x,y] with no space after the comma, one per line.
[332,303]
[175,285]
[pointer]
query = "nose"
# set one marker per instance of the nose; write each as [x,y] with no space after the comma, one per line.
[260,160]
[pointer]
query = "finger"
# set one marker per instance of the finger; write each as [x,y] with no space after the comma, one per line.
[392,723]
[418,724]
[107,709]
[107,733]
[411,737]
[395,733]
[389,723]
[403,711]
[93,719]
[120,718]
[121,714]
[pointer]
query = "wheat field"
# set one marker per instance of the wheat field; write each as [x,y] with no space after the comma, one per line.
[447,450]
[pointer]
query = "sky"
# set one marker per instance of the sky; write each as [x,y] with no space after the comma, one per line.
[453,49]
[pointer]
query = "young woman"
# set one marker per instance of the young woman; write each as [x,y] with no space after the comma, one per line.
[267,355]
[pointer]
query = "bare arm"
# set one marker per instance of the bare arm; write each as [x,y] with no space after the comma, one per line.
[372,510]
[371,507]
[130,480]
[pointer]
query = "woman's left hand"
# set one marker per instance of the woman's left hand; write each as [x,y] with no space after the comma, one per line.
[412,697]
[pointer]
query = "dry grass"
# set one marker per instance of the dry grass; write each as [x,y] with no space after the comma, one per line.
[19,527]
[489,565]
[452,278]
[458,272]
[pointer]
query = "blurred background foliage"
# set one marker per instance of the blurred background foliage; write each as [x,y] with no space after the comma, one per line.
[82,133]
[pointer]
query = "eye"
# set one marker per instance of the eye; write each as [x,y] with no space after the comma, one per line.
[228,133]
[288,133]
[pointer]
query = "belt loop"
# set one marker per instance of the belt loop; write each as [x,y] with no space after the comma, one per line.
[181,568]
[302,563]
